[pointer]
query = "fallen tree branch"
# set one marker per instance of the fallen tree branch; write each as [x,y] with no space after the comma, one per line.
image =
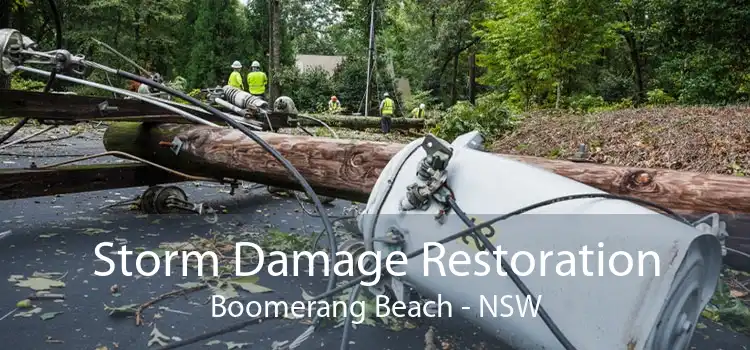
[139,310]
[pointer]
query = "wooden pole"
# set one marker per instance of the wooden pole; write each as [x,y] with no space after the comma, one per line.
[348,169]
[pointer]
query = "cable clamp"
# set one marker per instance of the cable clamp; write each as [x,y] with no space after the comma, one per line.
[713,225]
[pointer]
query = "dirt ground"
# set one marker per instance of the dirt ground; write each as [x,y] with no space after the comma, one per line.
[702,139]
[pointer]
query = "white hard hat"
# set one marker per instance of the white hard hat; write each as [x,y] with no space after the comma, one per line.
[255,64]
[421,106]
[236,64]
[385,94]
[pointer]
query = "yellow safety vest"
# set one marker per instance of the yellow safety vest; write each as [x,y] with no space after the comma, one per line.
[235,80]
[256,82]
[387,107]
[417,113]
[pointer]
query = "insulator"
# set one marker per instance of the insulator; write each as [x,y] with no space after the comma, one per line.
[654,305]
[243,99]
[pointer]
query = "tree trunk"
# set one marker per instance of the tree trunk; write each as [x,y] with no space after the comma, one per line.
[454,89]
[4,23]
[352,167]
[635,58]
[472,77]
[362,123]
[275,48]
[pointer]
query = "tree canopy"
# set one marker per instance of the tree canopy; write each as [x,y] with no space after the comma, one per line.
[530,53]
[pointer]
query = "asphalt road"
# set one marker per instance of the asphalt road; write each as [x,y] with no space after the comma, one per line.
[48,234]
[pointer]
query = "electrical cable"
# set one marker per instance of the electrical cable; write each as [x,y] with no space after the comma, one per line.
[740,253]
[495,252]
[135,95]
[351,283]
[48,86]
[131,157]
[21,140]
[52,139]
[275,153]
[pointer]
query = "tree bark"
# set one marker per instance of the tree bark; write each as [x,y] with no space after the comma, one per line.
[275,59]
[472,76]
[348,169]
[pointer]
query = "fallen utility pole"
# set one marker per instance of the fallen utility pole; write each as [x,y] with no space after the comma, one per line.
[71,108]
[348,169]
[25,183]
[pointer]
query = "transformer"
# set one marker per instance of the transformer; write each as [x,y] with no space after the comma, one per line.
[657,310]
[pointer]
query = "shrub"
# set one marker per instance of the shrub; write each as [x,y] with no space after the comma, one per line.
[490,116]
[658,97]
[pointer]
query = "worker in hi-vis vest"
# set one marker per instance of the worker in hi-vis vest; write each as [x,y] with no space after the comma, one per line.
[257,81]
[418,112]
[235,79]
[386,113]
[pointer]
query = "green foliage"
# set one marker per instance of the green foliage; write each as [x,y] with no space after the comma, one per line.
[489,116]
[19,83]
[310,89]
[658,97]
[418,97]
[349,79]
[587,103]
[727,309]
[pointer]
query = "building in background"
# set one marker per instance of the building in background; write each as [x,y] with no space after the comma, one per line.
[327,63]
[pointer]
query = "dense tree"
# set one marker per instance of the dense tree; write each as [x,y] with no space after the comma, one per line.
[529,53]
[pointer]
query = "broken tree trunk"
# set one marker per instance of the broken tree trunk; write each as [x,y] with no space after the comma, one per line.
[348,169]
[362,123]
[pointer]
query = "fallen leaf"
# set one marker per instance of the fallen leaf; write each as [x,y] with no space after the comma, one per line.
[47,235]
[40,283]
[177,246]
[248,284]
[24,304]
[49,315]
[232,345]
[225,290]
[213,342]
[15,278]
[51,275]
[158,338]
[29,313]
[90,231]
[189,285]
[306,296]
[51,340]
[101,348]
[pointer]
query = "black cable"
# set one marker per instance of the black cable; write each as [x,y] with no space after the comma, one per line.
[452,237]
[58,24]
[564,341]
[346,334]
[14,129]
[289,167]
